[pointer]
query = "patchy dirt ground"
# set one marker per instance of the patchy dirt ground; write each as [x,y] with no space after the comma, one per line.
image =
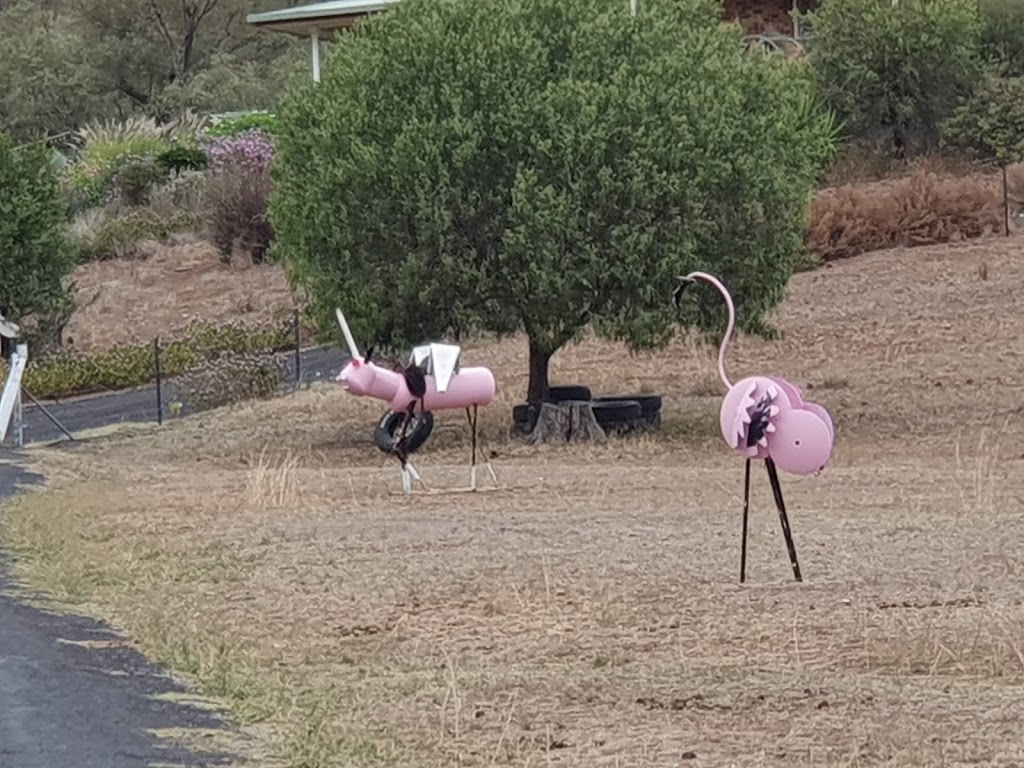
[133,300]
[589,614]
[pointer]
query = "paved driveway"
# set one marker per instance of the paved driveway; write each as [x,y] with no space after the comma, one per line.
[72,695]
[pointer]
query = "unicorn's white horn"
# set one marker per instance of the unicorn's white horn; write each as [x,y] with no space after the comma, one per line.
[348,335]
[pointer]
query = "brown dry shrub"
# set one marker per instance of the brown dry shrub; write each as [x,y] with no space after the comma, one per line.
[922,209]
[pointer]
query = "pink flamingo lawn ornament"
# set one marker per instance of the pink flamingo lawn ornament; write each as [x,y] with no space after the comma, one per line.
[433,379]
[766,417]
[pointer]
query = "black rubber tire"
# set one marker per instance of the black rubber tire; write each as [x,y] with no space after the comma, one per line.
[649,404]
[524,418]
[616,412]
[522,413]
[419,430]
[569,392]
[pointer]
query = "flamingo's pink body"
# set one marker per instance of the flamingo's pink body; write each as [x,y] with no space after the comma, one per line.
[471,386]
[766,416]
[798,436]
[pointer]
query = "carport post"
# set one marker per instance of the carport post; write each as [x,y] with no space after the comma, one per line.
[314,40]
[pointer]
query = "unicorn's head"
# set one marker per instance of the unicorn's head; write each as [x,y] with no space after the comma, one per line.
[358,375]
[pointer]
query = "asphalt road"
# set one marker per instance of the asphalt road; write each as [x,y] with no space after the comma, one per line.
[140,405]
[73,696]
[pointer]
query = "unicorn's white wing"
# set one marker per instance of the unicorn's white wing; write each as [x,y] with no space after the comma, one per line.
[444,363]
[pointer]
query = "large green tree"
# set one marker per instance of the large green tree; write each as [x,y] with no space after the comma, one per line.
[35,257]
[894,71]
[1002,35]
[543,165]
[49,83]
[67,62]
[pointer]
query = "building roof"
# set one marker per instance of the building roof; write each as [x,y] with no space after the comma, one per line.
[323,18]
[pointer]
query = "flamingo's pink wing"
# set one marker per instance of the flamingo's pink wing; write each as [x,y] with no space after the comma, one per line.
[738,407]
[801,443]
[796,397]
[822,414]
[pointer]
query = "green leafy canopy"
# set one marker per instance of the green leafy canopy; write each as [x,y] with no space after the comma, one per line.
[543,165]
[35,257]
[894,71]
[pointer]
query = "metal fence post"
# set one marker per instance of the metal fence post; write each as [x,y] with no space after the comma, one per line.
[159,391]
[1006,205]
[298,347]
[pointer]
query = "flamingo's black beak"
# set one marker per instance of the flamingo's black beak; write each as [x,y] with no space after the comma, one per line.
[684,283]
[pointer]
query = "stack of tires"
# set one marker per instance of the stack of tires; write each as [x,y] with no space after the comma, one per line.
[617,414]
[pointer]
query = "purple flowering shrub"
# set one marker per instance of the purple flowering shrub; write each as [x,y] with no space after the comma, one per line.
[252,148]
[238,188]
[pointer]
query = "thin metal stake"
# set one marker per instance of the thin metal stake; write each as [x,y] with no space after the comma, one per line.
[746,514]
[159,390]
[47,414]
[773,477]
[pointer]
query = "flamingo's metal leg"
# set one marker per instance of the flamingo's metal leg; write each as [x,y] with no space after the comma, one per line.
[746,515]
[773,477]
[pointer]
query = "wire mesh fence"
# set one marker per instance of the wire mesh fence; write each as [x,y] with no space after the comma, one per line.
[212,383]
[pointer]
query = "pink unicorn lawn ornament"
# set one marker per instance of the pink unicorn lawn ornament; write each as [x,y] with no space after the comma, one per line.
[433,380]
[766,417]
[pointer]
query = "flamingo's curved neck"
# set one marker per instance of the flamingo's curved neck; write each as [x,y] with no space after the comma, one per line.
[727,339]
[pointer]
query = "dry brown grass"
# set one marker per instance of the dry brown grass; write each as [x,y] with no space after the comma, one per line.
[589,614]
[922,209]
[133,300]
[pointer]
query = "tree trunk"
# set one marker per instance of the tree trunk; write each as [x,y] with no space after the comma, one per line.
[6,345]
[537,389]
[566,422]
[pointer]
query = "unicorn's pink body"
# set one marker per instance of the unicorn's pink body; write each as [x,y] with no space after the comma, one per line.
[471,386]
[433,381]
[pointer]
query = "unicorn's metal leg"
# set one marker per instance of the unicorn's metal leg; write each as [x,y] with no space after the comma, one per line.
[746,515]
[399,450]
[413,474]
[773,477]
[472,416]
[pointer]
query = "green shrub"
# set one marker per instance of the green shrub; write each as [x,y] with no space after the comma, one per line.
[135,178]
[233,126]
[184,192]
[990,125]
[114,146]
[73,373]
[182,158]
[236,197]
[1002,35]
[544,165]
[894,72]
[35,256]
[103,236]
